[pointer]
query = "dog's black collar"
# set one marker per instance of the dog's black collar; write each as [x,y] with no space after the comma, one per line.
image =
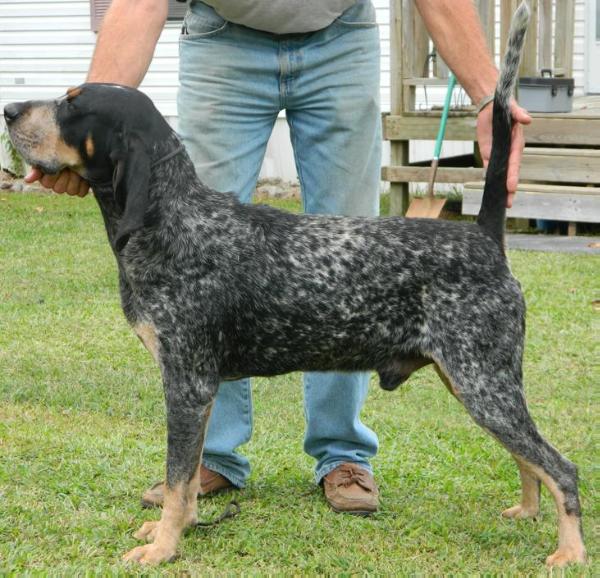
[168,156]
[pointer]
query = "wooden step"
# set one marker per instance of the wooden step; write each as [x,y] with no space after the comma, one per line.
[578,165]
[560,165]
[559,129]
[551,202]
[411,174]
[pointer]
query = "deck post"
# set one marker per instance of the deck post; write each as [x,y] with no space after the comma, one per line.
[545,34]
[399,148]
[563,38]
[529,63]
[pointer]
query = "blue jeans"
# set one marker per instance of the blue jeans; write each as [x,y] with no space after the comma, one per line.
[233,83]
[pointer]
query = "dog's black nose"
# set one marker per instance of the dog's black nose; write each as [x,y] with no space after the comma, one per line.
[12,111]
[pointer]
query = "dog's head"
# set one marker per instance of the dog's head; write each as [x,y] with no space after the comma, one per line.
[106,133]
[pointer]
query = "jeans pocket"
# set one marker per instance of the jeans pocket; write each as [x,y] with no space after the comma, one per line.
[361,15]
[201,21]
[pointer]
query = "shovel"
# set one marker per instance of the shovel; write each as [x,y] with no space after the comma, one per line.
[429,207]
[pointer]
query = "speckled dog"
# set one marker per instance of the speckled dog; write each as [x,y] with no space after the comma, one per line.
[218,290]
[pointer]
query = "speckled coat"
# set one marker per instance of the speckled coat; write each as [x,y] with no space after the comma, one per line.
[218,290]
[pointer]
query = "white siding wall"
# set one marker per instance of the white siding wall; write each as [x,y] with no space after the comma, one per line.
[46,46]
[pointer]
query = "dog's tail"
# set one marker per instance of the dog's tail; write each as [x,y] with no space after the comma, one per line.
[492,215]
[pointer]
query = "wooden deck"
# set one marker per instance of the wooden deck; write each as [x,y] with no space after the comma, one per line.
[551,202]
[561,163]
[560,169]
[579,127]
[584,106]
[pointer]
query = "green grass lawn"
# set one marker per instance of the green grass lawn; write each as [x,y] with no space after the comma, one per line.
[82,432]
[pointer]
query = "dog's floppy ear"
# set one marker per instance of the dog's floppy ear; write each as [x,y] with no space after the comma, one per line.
[131,178]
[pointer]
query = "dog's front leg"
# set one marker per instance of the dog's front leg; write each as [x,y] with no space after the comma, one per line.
[189,400]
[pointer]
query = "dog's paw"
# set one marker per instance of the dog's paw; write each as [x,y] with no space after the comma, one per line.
[564,556]
[520,512]
[147,531]
[150,554]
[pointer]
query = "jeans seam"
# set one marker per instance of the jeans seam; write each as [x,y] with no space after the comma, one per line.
[299,168]
[247,411]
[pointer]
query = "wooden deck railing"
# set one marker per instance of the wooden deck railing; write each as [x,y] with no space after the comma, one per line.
[412,48]
[549,44]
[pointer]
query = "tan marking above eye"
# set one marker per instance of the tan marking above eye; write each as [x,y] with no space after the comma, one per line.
[73,92]
[89,146]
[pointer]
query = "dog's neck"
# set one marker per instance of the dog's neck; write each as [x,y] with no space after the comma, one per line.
[172,182]
[161,152]
[162,158]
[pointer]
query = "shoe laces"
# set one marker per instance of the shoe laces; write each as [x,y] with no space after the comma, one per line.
[348,475]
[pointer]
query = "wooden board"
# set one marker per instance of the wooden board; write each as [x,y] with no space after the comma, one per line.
[563,131]
[558,165]
[426,127]
[399,174]
[561,165]
[532,201]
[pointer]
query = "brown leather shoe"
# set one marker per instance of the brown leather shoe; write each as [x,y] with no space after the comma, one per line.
[210,482]
[351,489]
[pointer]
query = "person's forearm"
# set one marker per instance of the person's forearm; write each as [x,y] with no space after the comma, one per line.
[127,40]
[456,31]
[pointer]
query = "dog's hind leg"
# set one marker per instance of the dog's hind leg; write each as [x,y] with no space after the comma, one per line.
[189,397]
[530,493]
[530,483]
[493,394]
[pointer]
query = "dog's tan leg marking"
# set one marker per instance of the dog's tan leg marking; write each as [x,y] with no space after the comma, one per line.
[148,530]
[179,512]
[147,335]
[530,494]
[446,380]
[570,541]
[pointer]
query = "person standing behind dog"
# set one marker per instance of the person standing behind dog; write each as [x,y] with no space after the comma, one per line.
[241,63]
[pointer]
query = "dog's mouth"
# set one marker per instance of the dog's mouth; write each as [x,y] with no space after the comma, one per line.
[48,168]
[36,143]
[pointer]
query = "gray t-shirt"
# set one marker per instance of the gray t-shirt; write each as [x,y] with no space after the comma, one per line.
[281,16]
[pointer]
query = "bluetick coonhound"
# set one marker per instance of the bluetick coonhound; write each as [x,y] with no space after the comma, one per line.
[217,290]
